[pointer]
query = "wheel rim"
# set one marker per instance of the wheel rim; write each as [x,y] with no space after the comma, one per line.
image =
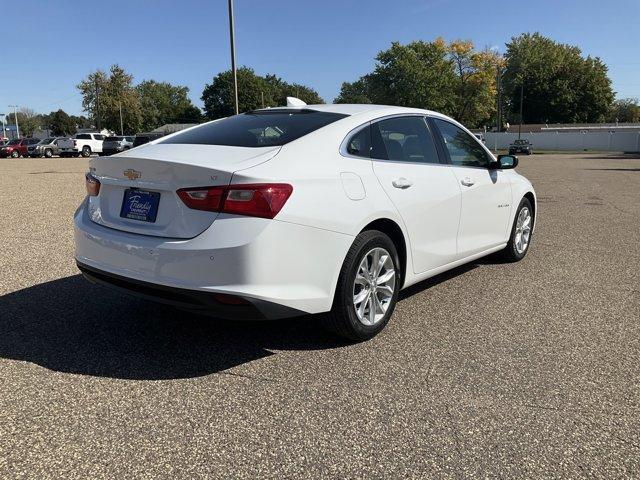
[523,230]
[374,286]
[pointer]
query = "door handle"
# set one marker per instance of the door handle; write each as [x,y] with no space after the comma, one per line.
[402,182]
[467,182]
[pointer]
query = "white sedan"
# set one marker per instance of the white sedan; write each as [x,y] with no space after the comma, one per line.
[323,209]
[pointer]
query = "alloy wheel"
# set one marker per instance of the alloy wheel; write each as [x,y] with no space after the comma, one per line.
[374,286]
[523,230]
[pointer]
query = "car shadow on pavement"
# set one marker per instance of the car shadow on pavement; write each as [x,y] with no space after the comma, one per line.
[71,325]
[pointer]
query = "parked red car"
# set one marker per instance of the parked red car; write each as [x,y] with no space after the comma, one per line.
[17,148]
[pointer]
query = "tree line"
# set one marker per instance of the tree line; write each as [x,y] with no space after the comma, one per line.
[555,82]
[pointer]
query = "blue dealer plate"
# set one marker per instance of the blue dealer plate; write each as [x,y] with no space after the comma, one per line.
[140,205]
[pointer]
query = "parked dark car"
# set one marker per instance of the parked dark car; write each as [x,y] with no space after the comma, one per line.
[17,148]
[521,145]
[47,147]
[116,144]
[142,138]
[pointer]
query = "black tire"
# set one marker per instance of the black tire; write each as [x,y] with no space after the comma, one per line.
[510,252]
[86,151]
[15,154]
[48,153]
[342,319]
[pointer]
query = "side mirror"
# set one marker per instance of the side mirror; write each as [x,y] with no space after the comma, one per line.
[505,162]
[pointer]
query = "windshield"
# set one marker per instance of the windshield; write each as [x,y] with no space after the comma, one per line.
[14,142]
[263,128]
[46,141]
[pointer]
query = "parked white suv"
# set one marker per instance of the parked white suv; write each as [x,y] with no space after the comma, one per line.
[81,144]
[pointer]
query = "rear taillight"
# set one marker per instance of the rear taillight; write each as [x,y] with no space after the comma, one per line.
[92,184]
[263,200]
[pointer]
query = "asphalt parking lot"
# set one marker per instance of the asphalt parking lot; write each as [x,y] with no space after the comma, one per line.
[510,370]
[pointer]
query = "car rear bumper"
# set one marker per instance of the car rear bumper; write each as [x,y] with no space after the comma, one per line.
[197,301]
[269,263]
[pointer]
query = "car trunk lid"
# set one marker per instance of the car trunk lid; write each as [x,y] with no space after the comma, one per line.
[155,173]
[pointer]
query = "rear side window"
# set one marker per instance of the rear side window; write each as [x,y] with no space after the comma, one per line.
[359,145]
[403,139]
[83,136]
[262,128]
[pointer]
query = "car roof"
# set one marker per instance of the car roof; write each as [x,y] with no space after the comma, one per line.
[357,108]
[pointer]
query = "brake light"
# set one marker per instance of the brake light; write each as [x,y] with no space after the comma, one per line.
[263,200]
[92,184]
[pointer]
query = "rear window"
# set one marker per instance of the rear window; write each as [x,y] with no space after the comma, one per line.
[262,128]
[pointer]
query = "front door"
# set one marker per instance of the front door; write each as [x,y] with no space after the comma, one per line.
[486,194]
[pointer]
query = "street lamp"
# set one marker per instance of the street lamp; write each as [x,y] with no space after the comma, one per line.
[4,132]
[15,115]
[233,54]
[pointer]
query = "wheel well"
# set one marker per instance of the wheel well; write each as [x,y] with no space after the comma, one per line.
[394,232]
[529,196]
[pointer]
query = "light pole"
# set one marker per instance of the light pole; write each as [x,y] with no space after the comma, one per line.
[15,115]
[4,132]
[233,54]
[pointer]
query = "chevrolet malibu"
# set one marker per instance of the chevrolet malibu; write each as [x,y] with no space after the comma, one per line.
[324,209]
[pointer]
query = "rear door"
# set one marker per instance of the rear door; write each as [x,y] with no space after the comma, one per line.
[424,190]
[486,194]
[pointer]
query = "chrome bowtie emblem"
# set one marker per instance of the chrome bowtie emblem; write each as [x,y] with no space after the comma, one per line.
[131,174]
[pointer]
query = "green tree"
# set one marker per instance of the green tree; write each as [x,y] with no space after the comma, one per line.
[105,96]
[60,123]
[355,92]
[279,90]
[28,121]
[625,110]
[476,86]
[453,78]
[558,84]
[254,91]
[164,103]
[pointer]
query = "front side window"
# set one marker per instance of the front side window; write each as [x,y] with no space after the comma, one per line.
[464,150]
[403,139]
[262,128]
[360,143]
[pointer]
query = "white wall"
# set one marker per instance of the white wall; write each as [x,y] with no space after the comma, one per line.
[590,140]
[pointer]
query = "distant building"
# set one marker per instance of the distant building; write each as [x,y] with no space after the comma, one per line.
[573,127]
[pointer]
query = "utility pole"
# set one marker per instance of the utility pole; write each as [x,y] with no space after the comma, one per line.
[499,99]
[521,96]
[233,54]
[4,132]
[15,115]
[121,127]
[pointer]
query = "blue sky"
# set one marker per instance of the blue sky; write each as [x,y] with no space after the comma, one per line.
[320,43]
